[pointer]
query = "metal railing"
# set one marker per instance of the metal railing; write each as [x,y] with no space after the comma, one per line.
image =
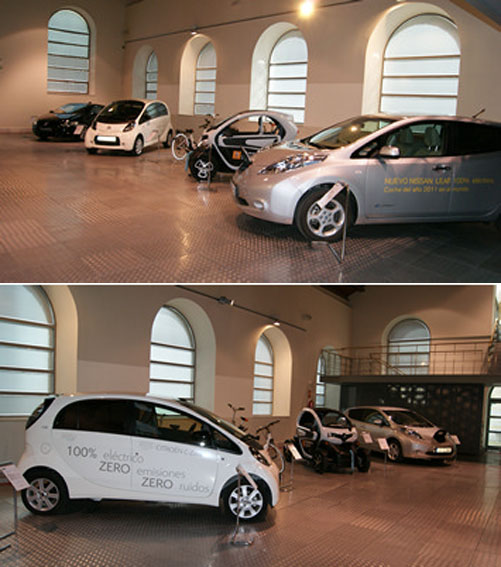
[458,356]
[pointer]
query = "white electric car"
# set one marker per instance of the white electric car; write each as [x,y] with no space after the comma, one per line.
[142,448]
[130,126]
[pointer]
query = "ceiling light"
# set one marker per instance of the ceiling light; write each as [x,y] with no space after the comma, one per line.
[306,8]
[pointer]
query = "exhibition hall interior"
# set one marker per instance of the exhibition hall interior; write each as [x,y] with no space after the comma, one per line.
[80,204]
[250,283]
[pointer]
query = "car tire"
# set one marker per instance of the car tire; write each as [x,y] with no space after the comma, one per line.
[47,493]
[203,165]
[319,461]
[362,460]
[254,504]
[322,223]
[91,151]
[394,451]
[138,147]
[168,140]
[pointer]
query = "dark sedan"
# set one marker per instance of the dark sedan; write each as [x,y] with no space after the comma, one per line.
[69,121]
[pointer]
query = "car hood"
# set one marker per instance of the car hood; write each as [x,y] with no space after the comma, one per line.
[106,128]
[279,152]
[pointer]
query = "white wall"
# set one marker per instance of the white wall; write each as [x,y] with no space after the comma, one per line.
[23,53]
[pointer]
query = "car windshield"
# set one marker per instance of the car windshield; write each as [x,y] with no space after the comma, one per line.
[226,425]
[69,108]
[333,418]
[409,418]
[121,111]
[347,132]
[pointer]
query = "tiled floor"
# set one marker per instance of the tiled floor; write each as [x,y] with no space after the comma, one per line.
[405,515]
[66,216]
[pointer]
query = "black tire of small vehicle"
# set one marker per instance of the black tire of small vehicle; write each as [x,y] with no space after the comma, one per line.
[91,151]
[498,223]
[362,460]
[168,140]
[287,453]
[225,495]
[64,501]
[138,147]
[398,457]
[204,155]
[307,201]
[319,461]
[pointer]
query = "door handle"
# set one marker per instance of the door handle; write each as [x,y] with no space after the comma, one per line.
[442,167]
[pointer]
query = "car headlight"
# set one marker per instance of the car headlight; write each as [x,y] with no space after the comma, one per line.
[130,126]
[259,456]
[293,162]
[411,433]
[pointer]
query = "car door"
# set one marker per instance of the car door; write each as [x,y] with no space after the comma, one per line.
[476,191]
[176,457]
[93,438]
[307,432]
[148,126]
[245,136]
[415,184]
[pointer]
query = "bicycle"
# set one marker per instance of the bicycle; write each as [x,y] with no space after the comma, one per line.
[242,418]
[184,142]
[270,446]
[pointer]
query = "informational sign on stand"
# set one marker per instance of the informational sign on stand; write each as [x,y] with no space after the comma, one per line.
[367,437]
[294,452]
[383,444]
[14,476]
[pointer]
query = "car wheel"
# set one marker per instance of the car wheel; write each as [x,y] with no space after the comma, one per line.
[394,450]
[322,222]
[362,460]
[168,140]
[319,462]
[138,147]
[91,151]
[47,493]
[249,503]
[202,165]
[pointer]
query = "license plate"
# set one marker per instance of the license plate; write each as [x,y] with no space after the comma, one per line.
[443,450]
[106,138]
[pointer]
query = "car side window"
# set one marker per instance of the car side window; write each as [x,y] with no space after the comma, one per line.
[375,418]
[242,126]
[475,138]
[160,422]
[423,139]
[269,126]
[224,444]
[147,115]
[358,414]
[102,416]
[160,109]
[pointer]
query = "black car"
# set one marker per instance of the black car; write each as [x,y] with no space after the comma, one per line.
[69,121]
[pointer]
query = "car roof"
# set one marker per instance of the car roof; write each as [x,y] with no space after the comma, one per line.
[383,408]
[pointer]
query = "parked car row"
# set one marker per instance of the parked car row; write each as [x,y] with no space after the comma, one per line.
[150,449]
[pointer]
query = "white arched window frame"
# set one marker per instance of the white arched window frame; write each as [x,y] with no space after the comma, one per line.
[205,81]
[27,349]
[494,423]
[151,77]
[329,364]
[172,356]
[262,399]
[319,385]
[421,63]
[409,348]
[287,76]
[68,50]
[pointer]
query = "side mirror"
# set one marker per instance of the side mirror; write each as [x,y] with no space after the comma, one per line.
[391,152]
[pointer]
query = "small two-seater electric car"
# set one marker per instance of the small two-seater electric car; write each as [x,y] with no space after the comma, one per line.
[142,448]
[327,439]
[230,143]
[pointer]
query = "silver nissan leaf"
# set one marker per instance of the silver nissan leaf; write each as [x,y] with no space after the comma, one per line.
[394,170]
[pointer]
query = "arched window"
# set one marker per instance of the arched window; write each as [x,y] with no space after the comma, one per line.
[205,81]
[287,73]
[68,53]
[494,427]
[151,79]
[329,364]
[27,337]
[421,67]
[262,400]
[172,358]
[409,348]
